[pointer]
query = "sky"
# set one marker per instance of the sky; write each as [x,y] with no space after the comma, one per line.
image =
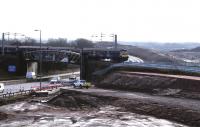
[131,20]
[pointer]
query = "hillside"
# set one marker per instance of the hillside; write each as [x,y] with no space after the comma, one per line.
[163,46]
[188,55]
[147,55]
[196,49]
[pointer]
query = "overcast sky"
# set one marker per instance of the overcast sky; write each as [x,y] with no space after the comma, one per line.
[131,20]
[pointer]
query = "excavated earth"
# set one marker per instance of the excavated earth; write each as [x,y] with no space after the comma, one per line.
[152,83]
[179,95]
[77,100]
[77,108]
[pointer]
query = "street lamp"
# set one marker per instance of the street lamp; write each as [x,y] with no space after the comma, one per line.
[3,42]
[115,40]
[15,38]
[40,58]
[22,35]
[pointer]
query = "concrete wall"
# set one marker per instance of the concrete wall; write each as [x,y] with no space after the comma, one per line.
[15,60]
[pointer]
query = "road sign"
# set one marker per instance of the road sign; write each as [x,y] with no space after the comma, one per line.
[11,68]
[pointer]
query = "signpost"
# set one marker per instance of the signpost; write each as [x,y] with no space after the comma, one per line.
[12,68]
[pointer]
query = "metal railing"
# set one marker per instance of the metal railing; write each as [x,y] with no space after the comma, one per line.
[12,94]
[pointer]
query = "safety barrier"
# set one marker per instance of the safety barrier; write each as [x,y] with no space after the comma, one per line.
[12,94]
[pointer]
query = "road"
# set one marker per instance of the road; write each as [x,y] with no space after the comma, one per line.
[27,86]
[24,86]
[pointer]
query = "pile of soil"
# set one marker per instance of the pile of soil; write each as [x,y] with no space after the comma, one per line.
[78,101]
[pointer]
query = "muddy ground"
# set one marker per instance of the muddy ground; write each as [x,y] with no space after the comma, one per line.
[82,101]
[156,85]
[5,101]
[33,114]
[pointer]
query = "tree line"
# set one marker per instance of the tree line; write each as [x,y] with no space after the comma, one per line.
[60,42]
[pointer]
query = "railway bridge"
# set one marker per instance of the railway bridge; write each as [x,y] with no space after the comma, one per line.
[27,58]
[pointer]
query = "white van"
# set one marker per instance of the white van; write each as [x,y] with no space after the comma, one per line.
[30,75]
[1,87]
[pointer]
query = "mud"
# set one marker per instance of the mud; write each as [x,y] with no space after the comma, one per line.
[174,113]
[168,111]
[38,114]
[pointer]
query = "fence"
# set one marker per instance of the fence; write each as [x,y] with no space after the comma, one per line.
[23,92]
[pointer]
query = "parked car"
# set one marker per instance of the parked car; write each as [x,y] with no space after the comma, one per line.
[55,80]
[1,87]
[69,81]
[47,87]
[81,84]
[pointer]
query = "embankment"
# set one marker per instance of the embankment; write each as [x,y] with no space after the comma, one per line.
[153,83]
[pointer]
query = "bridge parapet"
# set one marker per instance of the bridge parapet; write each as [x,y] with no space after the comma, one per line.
[53,56]
[101,54]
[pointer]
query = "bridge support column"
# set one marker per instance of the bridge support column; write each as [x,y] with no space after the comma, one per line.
[32,67]
[115,42]
[82,66]
[2,41]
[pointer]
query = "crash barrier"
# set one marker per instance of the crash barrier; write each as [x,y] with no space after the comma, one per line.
[46,87]
[12,94]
